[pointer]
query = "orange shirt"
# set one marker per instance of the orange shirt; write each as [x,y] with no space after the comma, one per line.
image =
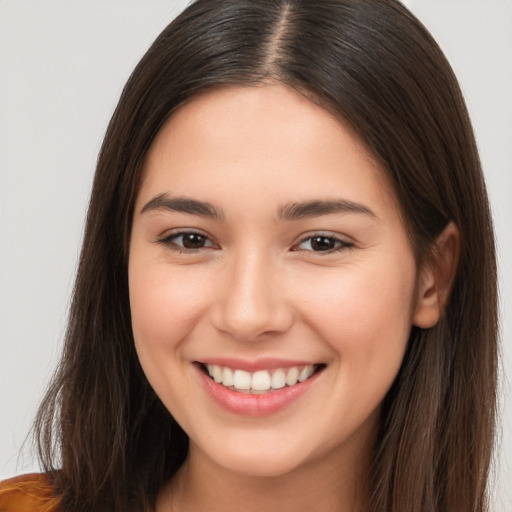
[28,493]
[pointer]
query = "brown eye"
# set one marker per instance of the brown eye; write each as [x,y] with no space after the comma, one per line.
[322,243]
[193,241]
[187,240]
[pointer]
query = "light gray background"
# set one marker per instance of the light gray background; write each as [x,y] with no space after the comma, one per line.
[62,66]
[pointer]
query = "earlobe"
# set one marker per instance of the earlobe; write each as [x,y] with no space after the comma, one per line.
[436,278]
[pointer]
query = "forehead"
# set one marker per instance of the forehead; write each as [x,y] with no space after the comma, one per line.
[251,111]
[270,139]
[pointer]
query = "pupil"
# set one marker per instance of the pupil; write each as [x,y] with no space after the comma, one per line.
[322,243]
[193,241]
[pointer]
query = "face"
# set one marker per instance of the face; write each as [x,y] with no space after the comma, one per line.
[272,283]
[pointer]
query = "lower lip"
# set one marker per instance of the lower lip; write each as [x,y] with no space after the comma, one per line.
[255,405]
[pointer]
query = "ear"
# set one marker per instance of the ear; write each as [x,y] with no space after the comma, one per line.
[436,278]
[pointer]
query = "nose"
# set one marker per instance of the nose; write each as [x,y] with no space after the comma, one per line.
[252,302]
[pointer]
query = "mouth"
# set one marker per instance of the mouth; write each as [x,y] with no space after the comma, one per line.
[262,381]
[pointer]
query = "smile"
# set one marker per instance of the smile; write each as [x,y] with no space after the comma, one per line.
[257,389]
[261,381]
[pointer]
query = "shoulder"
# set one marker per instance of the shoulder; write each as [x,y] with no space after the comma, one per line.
[28,493]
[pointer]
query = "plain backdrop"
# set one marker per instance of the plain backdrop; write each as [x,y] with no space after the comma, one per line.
[62,67]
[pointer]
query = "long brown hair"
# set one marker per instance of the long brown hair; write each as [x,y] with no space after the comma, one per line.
[105,437]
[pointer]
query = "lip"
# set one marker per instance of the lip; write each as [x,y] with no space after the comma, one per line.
[253,405]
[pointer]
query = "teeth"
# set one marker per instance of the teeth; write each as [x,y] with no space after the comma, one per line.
[306,372]
[242,379]
[278,379]
[260,381]
[227,377]
[292,376]
[217,374]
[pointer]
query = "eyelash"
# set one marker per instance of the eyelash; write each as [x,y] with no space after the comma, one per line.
[339,243]
[169,241]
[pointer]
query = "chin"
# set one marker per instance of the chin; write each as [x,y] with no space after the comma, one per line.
[262,458]
[260,466]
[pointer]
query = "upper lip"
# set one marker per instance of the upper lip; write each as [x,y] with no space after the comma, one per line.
[265,363]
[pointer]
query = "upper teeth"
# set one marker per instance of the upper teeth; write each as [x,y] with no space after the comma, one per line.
[262,380]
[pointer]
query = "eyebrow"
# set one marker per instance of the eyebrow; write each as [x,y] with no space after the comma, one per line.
[288,212]
[317,208]
[183,205]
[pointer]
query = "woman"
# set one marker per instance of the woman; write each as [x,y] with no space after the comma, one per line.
[286,296]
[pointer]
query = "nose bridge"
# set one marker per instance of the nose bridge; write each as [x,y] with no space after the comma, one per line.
[252,301]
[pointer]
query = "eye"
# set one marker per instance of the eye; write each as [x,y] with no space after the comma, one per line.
[187,241]
[322,243]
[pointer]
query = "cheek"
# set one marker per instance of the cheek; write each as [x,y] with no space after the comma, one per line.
[365,315]
[165,306]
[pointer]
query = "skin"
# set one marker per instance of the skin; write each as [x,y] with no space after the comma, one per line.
[258,288]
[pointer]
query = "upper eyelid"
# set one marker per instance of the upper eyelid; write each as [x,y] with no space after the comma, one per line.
[184,231]
[327,234]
